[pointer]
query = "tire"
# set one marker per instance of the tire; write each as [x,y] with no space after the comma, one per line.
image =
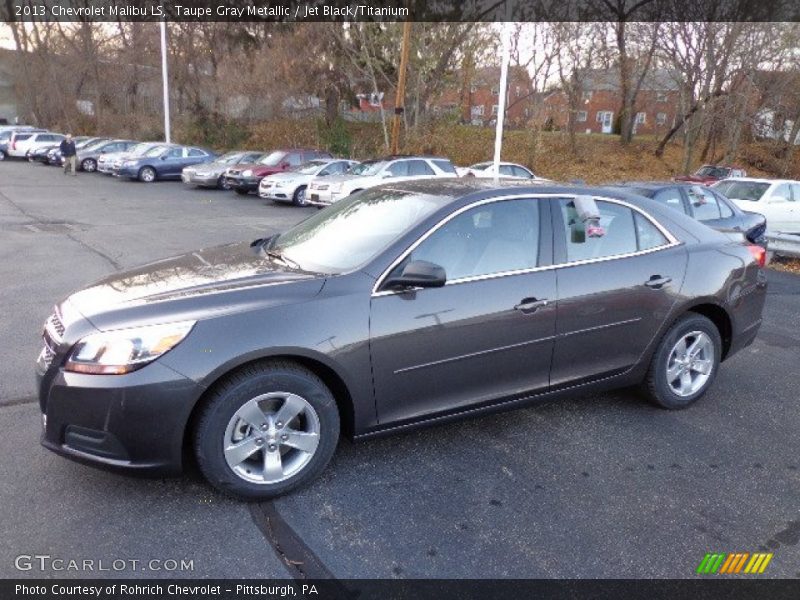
[2,155]
[265,391]
[89,165]
[668,361]
[147,174]
[222,183]
[241,192]
[299,196]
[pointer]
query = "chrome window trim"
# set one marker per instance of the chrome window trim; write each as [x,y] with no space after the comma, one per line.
[672,241]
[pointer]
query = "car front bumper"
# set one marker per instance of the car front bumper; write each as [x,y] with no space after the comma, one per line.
[322,197]
[249,184]
[133,422]
[210,180]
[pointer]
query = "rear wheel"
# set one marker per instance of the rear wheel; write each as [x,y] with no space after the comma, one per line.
[685,363]
[89,165]
[299,197]
[147,174]
[266,430]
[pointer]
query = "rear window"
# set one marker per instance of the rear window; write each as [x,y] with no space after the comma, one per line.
[444,165]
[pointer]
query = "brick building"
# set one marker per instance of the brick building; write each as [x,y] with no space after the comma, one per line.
[657,104]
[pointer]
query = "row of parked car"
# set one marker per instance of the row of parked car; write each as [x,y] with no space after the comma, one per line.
[720,196]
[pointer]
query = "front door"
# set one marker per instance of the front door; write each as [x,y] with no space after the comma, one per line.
[487,334]
[614,291]
[607,121]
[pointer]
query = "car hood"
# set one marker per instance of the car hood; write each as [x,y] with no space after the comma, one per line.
[210,167]
[287,176]
[207,282]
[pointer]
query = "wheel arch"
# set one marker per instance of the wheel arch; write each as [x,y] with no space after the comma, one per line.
[721,319]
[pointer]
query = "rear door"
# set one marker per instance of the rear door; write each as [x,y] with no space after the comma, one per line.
[613,291]
[488,333]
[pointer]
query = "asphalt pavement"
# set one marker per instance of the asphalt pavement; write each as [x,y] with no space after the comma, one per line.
[595,486]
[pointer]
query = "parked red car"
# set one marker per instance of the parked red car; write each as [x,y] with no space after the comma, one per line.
[244,178]
[712,173]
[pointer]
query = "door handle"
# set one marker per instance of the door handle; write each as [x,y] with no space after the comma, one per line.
[656,282]
[530,305]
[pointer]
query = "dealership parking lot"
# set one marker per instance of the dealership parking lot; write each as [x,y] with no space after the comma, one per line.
[602,486]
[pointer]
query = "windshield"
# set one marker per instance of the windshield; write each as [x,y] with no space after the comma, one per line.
[369,168]
[310,167]
[95,145]
[712,171]
[742,190]
[142,149]
[157,151]
[230,158]
[354,230]
[273,159]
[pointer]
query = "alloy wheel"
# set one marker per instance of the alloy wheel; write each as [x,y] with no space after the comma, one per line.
[271,438]
[690,363]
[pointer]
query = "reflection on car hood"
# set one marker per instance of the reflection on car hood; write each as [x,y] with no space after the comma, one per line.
[216,168]
[228,268]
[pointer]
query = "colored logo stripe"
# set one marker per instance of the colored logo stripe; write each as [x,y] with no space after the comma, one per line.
[732,563]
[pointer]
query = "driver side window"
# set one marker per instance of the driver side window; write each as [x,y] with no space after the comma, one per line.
[492,238]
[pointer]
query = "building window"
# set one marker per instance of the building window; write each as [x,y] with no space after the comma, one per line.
[661,118]
[477,110]
[494,109]
[518,91]
[661,97]
[473,88]
[641,118]
[495,91]
[586,96]
[581,116]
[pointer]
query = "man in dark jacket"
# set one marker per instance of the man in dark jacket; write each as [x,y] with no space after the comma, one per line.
[67,148]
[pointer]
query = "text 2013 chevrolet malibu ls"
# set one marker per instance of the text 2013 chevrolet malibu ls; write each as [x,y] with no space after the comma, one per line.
[401,305]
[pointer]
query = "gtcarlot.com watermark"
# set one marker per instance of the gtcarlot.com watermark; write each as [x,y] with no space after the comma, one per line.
[46,563]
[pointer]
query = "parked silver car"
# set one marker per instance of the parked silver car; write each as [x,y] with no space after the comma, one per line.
[290,186]
[212,174]
[89,155]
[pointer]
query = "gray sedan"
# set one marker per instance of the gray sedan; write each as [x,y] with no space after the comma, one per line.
[88,156]
[211,174]
[408,304]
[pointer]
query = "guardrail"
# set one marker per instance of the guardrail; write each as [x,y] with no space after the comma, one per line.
[784,244]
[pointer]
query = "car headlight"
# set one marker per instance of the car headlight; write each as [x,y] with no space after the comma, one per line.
[125,350]
[247,173]
[280,184]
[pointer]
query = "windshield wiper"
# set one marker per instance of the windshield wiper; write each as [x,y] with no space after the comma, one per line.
[276,255]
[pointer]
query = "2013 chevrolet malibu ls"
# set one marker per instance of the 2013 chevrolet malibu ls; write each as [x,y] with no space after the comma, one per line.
[402,305]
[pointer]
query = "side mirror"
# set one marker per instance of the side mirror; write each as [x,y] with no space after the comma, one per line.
[418,273]
[386,175]
[163,157]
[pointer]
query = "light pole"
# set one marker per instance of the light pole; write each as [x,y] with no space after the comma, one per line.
[501,101]
[164,77]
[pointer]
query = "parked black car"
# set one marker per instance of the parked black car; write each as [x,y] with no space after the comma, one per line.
[41,154]
[705,205]
[405,304]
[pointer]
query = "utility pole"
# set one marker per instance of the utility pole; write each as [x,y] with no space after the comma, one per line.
[164,76]
[501,103]
[399,100]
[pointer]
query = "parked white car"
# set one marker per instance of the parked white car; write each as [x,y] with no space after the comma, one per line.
[322,192]
[776,199]
[21,142]
[486,170]
[291,186]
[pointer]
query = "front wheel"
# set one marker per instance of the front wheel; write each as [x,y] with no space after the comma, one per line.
[685,363]
[299,197]
[147,174]
[266,430]
[2,155]
[222,183]
[89,165]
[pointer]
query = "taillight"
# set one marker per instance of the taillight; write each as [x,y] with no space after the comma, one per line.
[759,254]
